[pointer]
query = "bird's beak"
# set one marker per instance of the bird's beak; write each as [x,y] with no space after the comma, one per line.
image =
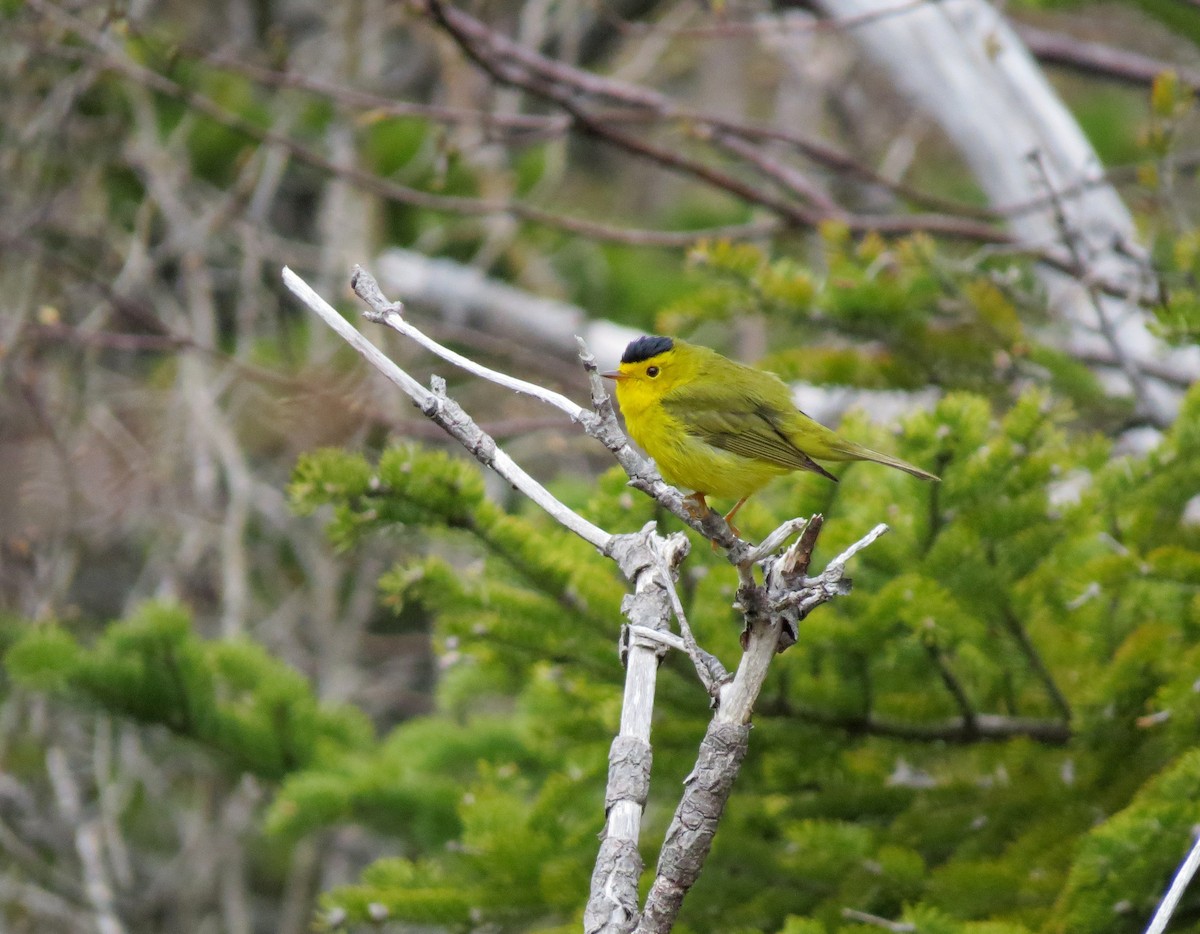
[615,374]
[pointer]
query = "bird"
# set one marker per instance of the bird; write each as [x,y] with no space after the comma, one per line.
[720,428]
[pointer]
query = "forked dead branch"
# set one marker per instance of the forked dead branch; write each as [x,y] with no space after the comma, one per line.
[773,600]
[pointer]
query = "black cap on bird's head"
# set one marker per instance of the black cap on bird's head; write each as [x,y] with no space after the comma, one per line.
[646,347]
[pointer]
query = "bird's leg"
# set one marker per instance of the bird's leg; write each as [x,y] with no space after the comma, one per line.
[729,515]
[696,505]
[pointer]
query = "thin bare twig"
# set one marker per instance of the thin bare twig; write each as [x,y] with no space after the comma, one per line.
[1071,238]
[775,540]
[1170,901]
[863,917]
[708,667]
[986,727]
[377,103]
[953,685]
[1099,58]
[392,314]
[730,27]
[436,405]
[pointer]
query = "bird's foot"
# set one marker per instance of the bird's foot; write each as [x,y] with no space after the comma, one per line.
[696,505]
[737,533]
[733,512]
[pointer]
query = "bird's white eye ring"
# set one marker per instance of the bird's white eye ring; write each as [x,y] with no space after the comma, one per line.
[652,371]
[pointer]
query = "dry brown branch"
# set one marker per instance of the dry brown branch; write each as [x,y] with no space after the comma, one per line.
[570,88]
[108,55]
[510,64]
[982,726]
[1099,58]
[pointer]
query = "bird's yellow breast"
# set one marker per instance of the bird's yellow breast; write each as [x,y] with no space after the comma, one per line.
[686,461]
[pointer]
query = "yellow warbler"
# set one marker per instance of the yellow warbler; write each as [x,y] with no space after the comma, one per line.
[720,428]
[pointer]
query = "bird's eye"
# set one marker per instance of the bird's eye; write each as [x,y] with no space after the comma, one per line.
[652,371]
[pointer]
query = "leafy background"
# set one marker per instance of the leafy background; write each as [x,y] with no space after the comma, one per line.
[276,654]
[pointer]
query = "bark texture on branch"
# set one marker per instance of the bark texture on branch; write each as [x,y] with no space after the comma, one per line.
[613,895]
[690,836]
[772,611]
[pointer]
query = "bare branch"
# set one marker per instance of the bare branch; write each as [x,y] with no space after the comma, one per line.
[378,103]
[1099,58]
[987,727]
[690,835]
[1171,900]
[446,412]
[723,748]
[840,561]
[667,639]
[392,314]
[897,927]
[642,558]
[1072,239]
[708,667]
[775,540]
[613,896]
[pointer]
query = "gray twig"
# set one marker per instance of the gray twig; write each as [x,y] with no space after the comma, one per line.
[443,410]
[711,672]
[863,917]
[1073,240]
[770,613]
[1170,901]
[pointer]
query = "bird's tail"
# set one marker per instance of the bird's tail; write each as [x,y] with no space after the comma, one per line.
[856,452]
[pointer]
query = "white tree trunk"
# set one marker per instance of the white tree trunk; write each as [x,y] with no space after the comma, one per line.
[962,63]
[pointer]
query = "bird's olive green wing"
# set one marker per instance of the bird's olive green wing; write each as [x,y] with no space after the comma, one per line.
[742,423]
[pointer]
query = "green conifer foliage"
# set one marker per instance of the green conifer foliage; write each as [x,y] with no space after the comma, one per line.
[994,733]
[1122,866]
[232,696]
[1027,589]
[894,315]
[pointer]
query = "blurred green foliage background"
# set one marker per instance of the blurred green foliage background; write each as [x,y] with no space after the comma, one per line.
[277,654]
